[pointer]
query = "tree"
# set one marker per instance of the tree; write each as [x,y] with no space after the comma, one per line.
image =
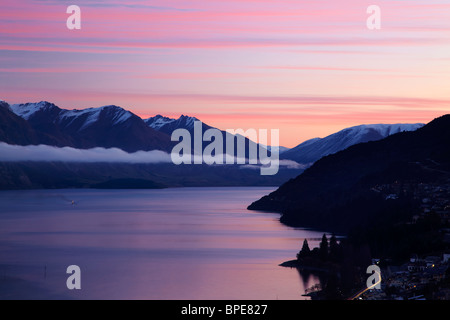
[323,248]
[334,248]
[305,252]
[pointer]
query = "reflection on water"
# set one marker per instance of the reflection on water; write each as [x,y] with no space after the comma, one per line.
[188,243]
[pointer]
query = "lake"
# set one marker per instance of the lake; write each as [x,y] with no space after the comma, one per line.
[186,243]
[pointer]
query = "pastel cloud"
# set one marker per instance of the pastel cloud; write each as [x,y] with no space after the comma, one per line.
[283,62]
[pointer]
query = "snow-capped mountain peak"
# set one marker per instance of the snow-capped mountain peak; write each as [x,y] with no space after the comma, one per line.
[108,127]
[115,115]
[187,121]
[121,115]
[65,117]
[158,121]
[312,150]
[5,104]
[27,110]
[168,125]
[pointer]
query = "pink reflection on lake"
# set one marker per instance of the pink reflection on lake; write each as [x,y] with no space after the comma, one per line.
[188,243]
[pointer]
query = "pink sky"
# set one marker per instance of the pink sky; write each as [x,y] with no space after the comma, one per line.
[307,68]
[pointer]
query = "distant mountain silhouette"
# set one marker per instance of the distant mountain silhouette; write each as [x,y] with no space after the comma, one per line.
[168,125]
[14,129]
[107,127]
[335,192]
[113,127]
[314,149]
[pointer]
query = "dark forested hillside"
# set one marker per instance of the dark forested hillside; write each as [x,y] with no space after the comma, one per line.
[340,191]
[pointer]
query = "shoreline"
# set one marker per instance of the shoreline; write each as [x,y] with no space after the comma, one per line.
[296,264]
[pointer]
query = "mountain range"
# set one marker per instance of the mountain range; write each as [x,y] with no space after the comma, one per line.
[44,123]
[113,126]
[110,128]
[107,127]
[312,150]
[337,191]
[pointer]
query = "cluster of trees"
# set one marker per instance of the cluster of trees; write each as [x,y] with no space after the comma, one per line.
[344,265]
[327,250]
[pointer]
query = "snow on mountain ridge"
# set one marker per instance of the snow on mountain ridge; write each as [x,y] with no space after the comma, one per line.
[370,132]
[189,121]
[93,115]
[160,122]
[27,110]
[312,150]
[5,104]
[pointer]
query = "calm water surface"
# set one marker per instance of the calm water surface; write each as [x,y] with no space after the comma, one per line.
[187,243]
